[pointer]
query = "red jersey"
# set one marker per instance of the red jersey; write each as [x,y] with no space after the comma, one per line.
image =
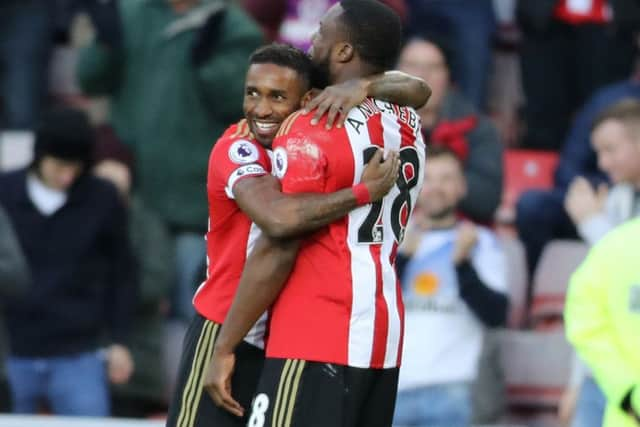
[342,302]
[235,156]
[583,11]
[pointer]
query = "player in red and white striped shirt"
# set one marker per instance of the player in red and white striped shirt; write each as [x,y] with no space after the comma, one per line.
[241,191]
[335,337]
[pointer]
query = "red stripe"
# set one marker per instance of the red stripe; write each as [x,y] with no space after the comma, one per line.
[381,326]
[399,303]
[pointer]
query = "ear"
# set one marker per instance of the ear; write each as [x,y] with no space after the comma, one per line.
[463,186]
[308,96]
[344,52]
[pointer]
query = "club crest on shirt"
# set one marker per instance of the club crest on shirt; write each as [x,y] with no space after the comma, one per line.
[280,161]
[243,152]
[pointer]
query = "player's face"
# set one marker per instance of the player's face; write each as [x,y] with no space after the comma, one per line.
[443,187]
[618,152]
[59,174]
[324,39]
[272,92]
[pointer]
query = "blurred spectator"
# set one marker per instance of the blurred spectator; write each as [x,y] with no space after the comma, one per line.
[540,215]
[14,279]
[26,40]
[303,16]
[601,317]
[470,26]
[269,14]
[570,49]
[454,285]
[616,139]
[175,73]
[144,394]
[72,229]
[450,120]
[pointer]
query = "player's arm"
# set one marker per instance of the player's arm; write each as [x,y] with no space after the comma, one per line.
[286,215]
[264,275]
[393,86]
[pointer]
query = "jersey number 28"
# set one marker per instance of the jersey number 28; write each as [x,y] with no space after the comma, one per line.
[372,229]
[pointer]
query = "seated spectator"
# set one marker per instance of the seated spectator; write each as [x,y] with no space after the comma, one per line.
[144,394]
[449,119]
[601,318]
[540,214]
[72,229]
[616,140]
[14,278]
[454,285]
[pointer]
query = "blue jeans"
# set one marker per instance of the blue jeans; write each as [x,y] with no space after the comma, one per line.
[443,405]
[590,406]
[71,385]
[191,252]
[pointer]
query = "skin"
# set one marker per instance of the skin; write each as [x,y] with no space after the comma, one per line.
[425,60]
[617,146]
[269,265]
[59,174]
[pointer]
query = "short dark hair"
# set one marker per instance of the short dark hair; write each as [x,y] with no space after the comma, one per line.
[375,31]
[64,133]
[626,111]
[435,151]
[285,56]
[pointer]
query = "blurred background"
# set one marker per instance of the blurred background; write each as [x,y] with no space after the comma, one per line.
[116,105]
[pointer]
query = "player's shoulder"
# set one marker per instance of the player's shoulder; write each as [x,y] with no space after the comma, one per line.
[238,144]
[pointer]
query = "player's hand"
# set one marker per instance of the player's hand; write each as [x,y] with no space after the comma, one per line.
[380,175]
[119,364]
[336,101]
[217,381]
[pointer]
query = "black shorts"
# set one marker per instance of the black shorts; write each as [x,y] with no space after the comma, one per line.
[297,393]
[191,405]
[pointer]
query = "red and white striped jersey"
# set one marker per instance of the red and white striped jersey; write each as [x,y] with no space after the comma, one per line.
[583,11]
[231,235]
[342,302]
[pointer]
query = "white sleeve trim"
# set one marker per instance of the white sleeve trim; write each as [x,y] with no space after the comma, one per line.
[253,169]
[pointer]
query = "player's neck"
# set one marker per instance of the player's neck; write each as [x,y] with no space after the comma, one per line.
[350,71]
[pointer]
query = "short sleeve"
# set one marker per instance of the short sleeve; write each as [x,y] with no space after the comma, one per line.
[300,163]
[236,159]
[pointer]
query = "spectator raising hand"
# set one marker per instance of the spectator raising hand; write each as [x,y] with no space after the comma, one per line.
[583,201]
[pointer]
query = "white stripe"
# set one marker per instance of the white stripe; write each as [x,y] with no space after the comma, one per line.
[363,271]
[392,140]
[254,169]
[255,335]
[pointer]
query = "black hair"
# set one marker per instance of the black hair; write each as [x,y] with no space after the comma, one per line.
[285,56]
[64,133]
[435,151]
[374,30]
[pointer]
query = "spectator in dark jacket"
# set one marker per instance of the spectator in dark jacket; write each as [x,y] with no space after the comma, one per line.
[72,228]
[14,278]
[449,119]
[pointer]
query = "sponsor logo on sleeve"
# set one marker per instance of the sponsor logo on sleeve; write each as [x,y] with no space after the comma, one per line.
[242,152]
[280,162]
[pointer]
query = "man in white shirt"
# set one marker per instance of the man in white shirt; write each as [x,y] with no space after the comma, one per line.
[454,285]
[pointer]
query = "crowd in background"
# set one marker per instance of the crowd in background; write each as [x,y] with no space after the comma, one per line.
[102,229]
